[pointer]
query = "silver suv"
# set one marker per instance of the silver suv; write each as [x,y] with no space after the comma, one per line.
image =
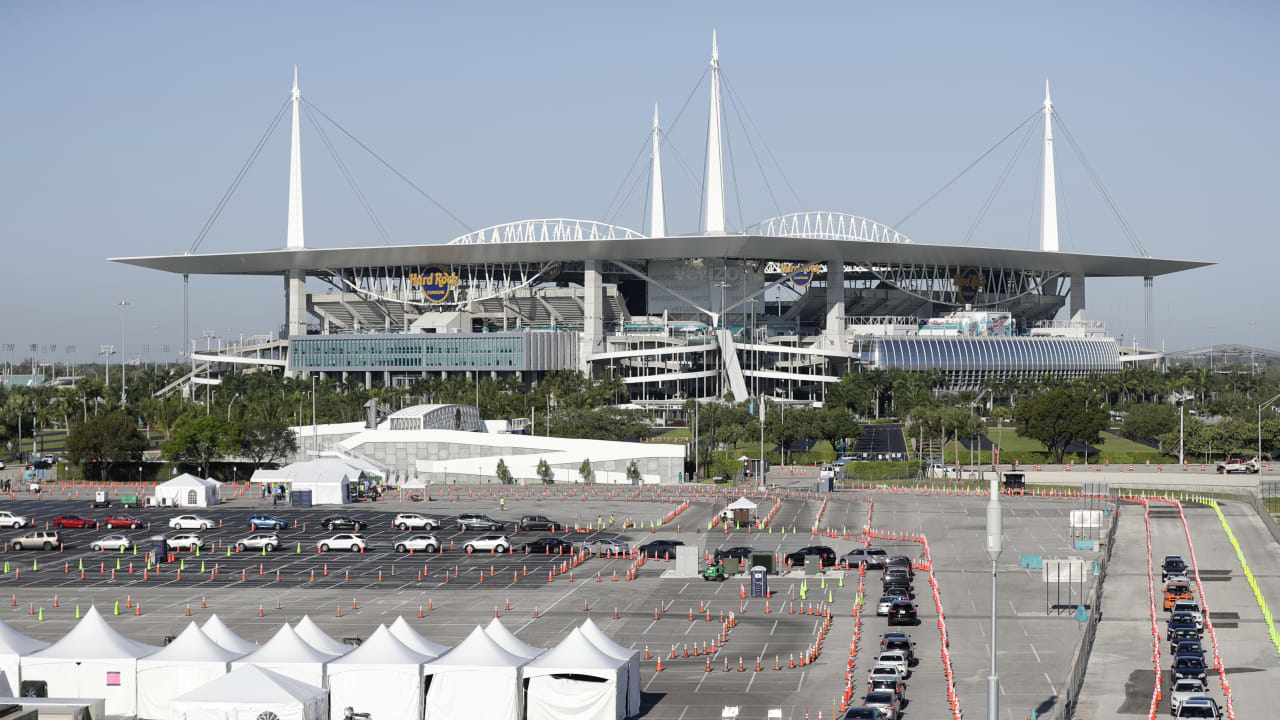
[42,539]
[477,521]
[260,541]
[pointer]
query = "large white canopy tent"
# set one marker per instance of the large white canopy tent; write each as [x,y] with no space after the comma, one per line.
[190,661]
[328,479]
[187,490]
[13,645]
[288,654]
[92,660]
[251,692]
[597,636]
[220,633]
[576,680]
[416,642]
[509,642]
[476,679]
[317,638]
[384,663]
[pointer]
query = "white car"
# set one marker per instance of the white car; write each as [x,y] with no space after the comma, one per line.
[1191,607]
[889,670]
[607,546]
[1183,689]
[882,607]
[414,521]
[896,659]
[191,522]
[418,543]
[259,541]
[186,541]
[496,543]
[884,701]
[344,541]
[1236,465]
[112,542]
[8,519]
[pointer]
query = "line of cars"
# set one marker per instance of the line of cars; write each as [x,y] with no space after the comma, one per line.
[885,698]
[1189,693]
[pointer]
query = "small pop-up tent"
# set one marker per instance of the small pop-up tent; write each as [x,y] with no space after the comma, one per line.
[476,679]
[416,642]
[308,630]
[384,663]
[13,645]
[93,661]
[576,680]
[252,692]
[226,637]
[289,655]
[593,633]
[190,661]
[509,642]
[187,490]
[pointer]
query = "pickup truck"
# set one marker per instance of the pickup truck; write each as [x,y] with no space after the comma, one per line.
[1236,465]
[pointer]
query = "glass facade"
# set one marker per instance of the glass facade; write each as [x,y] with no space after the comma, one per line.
[968,361]
[479,351]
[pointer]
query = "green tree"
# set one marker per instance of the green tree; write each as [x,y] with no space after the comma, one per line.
[266,441]
[837,426]
[503,473]
[1060,417]
[545,474]
[105,440]
[633,473]
[1148,422]
[584,470]
[200,440]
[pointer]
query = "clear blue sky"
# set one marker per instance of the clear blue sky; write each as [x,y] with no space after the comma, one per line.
[123,123]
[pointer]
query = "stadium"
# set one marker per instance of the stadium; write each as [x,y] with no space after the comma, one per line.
[780,309]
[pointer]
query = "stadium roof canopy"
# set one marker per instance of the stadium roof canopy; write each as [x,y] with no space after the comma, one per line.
[729,246]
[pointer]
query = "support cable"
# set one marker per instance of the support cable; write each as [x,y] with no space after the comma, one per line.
[226,196]
[982,212]
[733,105]
[342,166]
[609,209]
[1111,204]
[768,150]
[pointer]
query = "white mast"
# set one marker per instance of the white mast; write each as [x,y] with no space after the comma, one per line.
[657,211]
[713,221]
[1049,201]
[294,237]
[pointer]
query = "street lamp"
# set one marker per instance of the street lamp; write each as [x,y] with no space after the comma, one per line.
[1260,409]
[108,351]
[995,528]
[124,376]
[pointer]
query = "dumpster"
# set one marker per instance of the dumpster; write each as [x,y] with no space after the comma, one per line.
[759,582]
[300,498]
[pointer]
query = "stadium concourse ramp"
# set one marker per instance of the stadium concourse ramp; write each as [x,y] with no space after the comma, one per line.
[732,369]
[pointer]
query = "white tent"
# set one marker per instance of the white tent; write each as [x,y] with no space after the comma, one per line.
[328,479]
[288,654]
[14,645]
[559,688]
[593,633]
[381,662]
[252,692]
[92,660]
[416,642]
[190,661]
[509,642]
[308,630]
[476,679]
[741,504]
[187,490]
[226,637]
[414,483]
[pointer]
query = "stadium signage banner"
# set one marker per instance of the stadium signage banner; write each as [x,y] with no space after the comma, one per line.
[968,281]
[800,279]
[435,283]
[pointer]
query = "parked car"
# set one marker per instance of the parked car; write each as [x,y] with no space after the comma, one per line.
[185,541]
[537,522]
[1199,707]
[259,541]
[42,539]
[123,521]
[903,612]
[825,556]
[13,520]
[495,542]
[874,557]
[415,521]
[479,521]
[191,522]
[741,552]
[268,522]
[343,522]
[1183,689]
[1187,666]
[344,541]
[1172,565]
[608,546]
[660,548]
[886,702]
[418,543]
[548,546]
[74,521]
[114,541]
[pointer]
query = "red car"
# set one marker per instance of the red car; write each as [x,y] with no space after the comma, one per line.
[74,521]
[124,521]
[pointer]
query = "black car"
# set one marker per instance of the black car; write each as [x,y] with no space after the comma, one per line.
[548,545]
[742,552]
[343,522]
[537,522]
[1180,621]
[1187,647]
[863,713]
[826,556]
[1177,637]
[1188,666]
[660,548]
[1173,565]
[898,592]
[903,612]
[896,574]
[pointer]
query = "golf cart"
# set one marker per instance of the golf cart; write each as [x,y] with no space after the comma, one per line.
[714,572]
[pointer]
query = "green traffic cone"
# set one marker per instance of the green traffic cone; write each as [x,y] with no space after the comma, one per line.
[830,597]
[202,567]
[40,616]
[35,565]
[81,564]
[228,551]
[182,564]
[299,550]
[135,550]
[117,563]
[264,551]
[77,612]
[824,583]
[197,551]
[841,580]
[117,607]
[121,549]
[6,567]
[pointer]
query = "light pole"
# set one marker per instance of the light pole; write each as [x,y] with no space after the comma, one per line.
[233,402]
[108,351]
[995,529]
[1260,409]
[124,375]
[1211,327]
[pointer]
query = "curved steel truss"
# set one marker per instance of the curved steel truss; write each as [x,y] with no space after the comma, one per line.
[546,230]
[825,225]
[963,285]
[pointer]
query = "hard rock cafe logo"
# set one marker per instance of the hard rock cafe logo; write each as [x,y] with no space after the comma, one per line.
[968,281]
[434,282]
[799,279]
